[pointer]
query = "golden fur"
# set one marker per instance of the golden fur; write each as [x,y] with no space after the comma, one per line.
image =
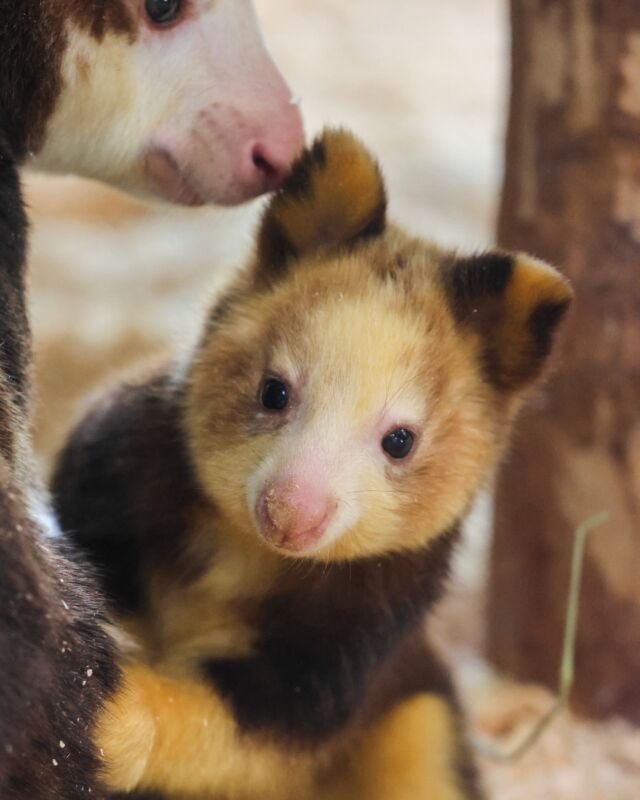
[408,754]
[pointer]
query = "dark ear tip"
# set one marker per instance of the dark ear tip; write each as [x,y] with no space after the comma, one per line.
[546,317]
[480,275]
[515,303]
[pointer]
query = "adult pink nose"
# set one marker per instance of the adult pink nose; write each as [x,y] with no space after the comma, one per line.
[294,514]
[267,158]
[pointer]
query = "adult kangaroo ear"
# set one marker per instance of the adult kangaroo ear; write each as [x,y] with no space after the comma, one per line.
[333,197]
[513,303]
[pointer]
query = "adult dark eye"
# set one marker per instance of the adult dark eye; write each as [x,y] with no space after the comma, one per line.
[274,395]
[398,443]
[162,12]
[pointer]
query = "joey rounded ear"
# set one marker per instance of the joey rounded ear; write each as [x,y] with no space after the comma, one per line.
[333,197]
[515,302]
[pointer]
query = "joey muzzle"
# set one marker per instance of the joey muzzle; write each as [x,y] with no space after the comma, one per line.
[294,514]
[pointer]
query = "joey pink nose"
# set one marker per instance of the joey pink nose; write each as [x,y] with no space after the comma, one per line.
[294,515]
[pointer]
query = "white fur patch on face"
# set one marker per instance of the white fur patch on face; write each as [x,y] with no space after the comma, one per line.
[182,113]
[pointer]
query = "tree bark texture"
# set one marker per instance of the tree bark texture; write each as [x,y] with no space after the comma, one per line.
[571,195]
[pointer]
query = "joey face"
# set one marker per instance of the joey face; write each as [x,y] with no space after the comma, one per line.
[174,98]
[356,387]
[369,457]
[337,420]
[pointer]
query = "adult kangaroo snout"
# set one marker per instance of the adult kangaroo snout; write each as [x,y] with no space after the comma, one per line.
[177,98]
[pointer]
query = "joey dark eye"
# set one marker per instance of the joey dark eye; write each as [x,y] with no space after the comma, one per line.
[398,443]
[274,395]
[162,12]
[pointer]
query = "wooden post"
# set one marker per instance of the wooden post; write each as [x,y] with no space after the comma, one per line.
[572,195]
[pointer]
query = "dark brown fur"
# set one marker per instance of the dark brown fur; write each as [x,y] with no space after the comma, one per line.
[50,624]
[50,632]
[324,639]
[136,455]
[15,339]
[99,17]
[32,44]
[138,796]
[52,681]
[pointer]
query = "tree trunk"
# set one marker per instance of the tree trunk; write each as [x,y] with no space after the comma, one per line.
[572,196]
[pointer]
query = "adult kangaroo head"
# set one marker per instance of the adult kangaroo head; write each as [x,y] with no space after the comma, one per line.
[173,98]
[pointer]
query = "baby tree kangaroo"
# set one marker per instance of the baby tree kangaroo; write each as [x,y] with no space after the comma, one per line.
[162,97]
[273,514]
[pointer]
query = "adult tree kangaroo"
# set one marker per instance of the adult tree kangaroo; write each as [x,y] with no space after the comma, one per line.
[173,98]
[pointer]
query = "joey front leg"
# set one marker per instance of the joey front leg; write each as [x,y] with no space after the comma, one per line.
[414,752]
[177,736]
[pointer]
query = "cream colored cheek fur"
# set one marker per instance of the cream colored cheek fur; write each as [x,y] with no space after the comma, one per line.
[118,95]
[94,132]
[345,408]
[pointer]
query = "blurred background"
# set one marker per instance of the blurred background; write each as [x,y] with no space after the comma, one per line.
[115,282]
